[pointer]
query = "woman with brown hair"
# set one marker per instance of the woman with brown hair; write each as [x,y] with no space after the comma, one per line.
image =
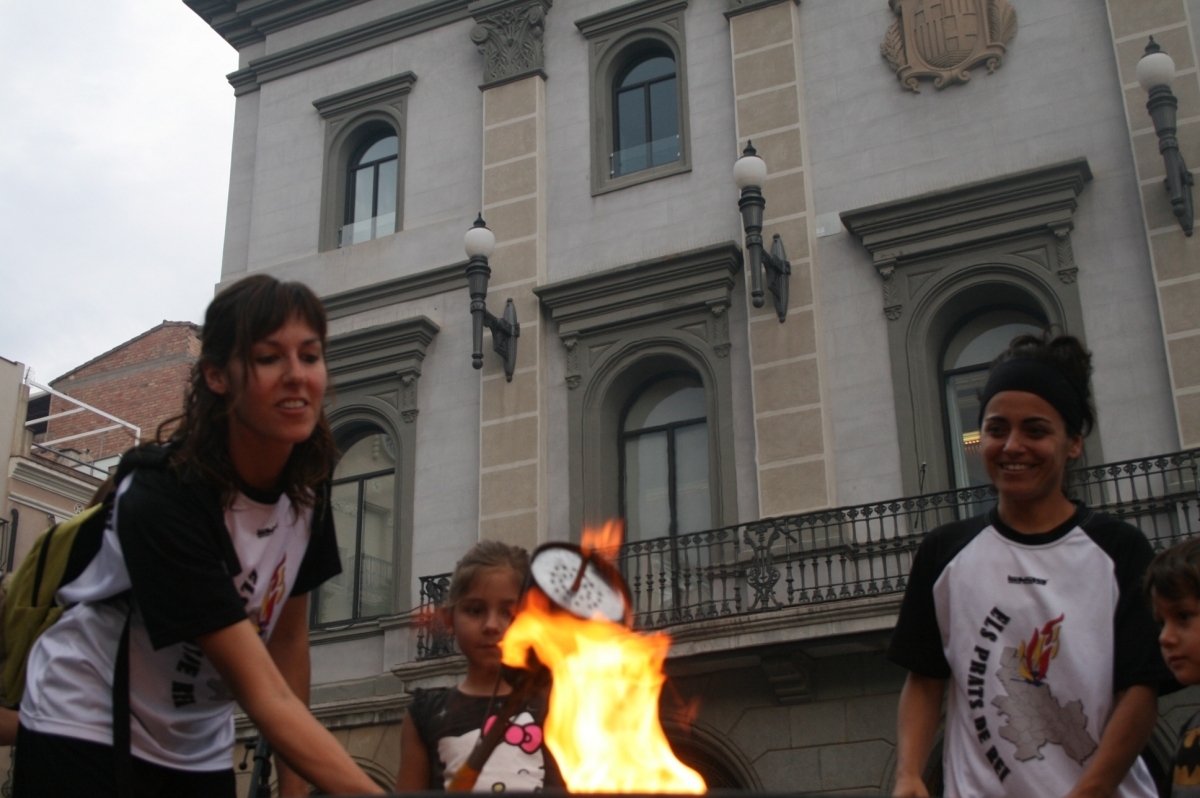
[212,545]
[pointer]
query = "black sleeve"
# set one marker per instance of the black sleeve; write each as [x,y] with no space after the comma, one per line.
[917,640]
[1137,658]
[171,535]
[321,560]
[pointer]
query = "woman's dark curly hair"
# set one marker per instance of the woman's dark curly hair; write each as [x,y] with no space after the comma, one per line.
[1066,354]
[238,317]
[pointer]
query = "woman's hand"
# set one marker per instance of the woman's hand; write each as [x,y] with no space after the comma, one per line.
[909,786]
[917,720]
[240,657]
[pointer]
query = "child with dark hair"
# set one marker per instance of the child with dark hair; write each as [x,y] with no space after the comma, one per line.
[201,582]
[1173,589]
[1032,613]
[442,726]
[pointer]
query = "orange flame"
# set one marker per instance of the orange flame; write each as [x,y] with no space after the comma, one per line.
[605,540]
[602,726]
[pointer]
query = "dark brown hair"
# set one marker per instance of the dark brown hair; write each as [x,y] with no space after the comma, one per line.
[1067,356]
[484,555]
[238,317]
[1175,573]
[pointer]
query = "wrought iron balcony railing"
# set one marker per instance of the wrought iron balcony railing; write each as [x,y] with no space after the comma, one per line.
[842,553]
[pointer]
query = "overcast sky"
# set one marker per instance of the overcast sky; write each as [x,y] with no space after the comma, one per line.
[115,129]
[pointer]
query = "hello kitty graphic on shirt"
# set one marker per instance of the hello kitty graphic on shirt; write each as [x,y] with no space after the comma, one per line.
[517,764]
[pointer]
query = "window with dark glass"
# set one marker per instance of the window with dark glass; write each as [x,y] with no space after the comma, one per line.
[964,368]
[371,191]
[645,114]
[664,460]
[364,515]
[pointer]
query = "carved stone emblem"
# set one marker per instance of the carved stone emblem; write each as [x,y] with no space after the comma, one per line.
[510,37]
[945,39]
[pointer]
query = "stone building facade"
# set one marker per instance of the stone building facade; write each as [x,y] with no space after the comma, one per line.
[940,175]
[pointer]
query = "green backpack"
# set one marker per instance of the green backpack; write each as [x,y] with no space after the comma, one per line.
[58,556]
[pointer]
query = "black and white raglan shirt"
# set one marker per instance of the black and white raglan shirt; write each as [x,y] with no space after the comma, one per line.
[1035,633]
[194,567]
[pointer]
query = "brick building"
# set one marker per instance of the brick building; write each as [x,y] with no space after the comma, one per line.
[140,381]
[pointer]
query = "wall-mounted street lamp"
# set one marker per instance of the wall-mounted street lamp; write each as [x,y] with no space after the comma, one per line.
[480,243]
[1155,71]
[749,172]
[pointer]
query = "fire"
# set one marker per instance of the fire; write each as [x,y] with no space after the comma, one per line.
[602,725]
[1035,656]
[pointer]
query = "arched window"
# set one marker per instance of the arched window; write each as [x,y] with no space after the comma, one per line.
[664,459]
[969,352]
[371,190]
[645,114]
[364,514]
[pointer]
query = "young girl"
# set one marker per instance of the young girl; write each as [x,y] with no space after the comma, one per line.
[442,726]
[212,545]
[1033,612]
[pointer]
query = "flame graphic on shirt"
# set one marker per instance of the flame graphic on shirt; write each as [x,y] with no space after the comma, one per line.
[273,599]
[1034,656]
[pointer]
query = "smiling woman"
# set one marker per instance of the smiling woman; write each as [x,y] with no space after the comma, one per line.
[199,594]
[1033,608]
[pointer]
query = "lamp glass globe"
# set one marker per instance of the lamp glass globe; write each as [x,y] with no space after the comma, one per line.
[749,170]
[479,241]
[1155,69]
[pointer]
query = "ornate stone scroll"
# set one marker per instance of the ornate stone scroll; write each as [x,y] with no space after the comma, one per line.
[945,39]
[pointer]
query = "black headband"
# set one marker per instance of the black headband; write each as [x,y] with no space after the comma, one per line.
[1040,378]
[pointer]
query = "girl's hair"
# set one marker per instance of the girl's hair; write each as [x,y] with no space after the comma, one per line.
[238,317]
[1066,355]
[1174,574]
[482,556]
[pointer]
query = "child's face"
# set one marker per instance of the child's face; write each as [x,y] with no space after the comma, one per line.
[484,614]
[1180,636]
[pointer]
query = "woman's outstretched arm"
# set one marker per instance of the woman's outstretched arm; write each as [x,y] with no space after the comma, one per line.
[244,663]
[916,723]
[288,647]
[1135,711]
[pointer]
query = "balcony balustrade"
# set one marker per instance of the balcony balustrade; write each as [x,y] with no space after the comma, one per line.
[848,552]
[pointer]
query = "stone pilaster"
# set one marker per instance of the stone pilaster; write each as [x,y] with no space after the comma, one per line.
[1175,257]
[512,501]
[795,471]
[509,35]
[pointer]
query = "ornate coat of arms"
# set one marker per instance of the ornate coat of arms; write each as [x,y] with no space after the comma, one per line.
[945,39]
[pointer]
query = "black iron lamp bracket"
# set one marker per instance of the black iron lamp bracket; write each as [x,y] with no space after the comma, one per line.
[1163,105]
[774,263]
[505,330]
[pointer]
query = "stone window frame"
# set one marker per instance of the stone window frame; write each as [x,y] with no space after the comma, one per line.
[620,328]
[614,38]
[998,243]
[373,378]
[351,117]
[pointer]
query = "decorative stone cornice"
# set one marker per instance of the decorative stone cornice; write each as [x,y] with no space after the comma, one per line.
[624,16]
[342,44]
[1041,200]
[387,90]
[77,488]
[655,288]
[396,291]
[378,355]
[510,36]
[249,21]
[736,7]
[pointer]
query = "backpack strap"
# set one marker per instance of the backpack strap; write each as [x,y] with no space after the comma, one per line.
[121,732]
